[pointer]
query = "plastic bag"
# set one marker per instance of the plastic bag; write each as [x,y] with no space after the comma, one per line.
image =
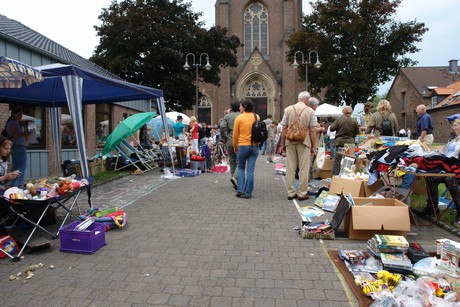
[320,154]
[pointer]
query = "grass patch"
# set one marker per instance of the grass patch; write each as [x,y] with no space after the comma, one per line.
[108,176]
[419,202]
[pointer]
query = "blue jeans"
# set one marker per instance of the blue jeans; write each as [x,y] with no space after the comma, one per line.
[247,156]
[407,181]
[19,162]
[331,145]
[264,148]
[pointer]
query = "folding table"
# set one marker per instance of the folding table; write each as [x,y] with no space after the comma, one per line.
[23,210]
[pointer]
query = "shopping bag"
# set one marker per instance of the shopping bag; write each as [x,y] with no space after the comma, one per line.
[320,154]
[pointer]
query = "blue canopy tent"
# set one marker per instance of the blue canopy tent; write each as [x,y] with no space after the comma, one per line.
[72,86]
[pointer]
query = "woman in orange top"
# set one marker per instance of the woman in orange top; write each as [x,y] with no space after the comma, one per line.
[246,150]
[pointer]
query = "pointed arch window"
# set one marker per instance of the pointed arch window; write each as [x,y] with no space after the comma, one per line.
[255,29]
[256,89]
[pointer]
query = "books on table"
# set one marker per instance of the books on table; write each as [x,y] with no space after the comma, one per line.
[395,261]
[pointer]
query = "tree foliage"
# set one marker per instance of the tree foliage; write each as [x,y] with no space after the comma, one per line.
[146,42]
[359,43]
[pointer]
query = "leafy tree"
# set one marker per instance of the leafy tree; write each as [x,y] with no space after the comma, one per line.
[146,42]
[360,45]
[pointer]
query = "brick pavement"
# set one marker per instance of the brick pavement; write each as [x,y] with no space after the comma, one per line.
[191,242]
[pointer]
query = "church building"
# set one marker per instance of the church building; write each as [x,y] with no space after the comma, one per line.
[262,74]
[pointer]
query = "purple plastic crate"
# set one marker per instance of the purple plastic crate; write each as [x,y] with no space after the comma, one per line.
[83,242]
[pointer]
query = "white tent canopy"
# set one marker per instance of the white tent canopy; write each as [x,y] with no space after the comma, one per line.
[328,110]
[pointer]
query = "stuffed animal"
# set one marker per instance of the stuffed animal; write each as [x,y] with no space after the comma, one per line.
[388,278]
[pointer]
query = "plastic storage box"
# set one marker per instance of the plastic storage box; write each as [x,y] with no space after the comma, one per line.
[83,242]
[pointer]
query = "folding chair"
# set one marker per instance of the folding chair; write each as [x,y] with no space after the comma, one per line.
[131,158]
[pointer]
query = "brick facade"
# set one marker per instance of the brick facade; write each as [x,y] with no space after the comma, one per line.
[413,86]
[278,78]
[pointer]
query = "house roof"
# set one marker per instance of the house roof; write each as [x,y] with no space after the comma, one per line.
[454,96]
[426,78]
[20,34]
[443,91]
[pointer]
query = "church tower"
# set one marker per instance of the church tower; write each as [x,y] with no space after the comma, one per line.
[262,74]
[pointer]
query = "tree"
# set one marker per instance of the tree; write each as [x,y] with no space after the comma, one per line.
[360,46]
[146,42]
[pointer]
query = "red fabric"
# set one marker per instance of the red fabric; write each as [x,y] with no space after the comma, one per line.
[195,131]
[425,164]
[382,167]
[196,158]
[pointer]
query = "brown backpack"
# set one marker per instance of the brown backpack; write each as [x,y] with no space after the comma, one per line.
[296,131]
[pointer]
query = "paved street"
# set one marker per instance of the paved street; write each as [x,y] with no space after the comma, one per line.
[192,242]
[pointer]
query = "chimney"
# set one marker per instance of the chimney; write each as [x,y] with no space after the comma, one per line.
[453,66]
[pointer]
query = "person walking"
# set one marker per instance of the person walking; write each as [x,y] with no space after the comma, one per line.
[268,122]
[346,129]
[270,142]
[17,134]
[298,154]
[226,133]
[424,125]
[247,150]
[383,122]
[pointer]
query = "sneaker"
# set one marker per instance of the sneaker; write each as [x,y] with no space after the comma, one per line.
[267,162]
[235,184]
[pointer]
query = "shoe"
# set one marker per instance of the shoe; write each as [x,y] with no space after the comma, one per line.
[429,211]
[235,184]
[247,196]
[292,197]
[267,162]
[240,194]
[304,197]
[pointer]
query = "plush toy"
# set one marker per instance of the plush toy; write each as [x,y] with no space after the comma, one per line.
[389,279]
[63,189]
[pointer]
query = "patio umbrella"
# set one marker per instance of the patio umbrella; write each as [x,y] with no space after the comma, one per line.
[173,116]
[126,128]
[12,73]
[157,127]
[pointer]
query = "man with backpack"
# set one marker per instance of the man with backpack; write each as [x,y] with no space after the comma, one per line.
[298,140]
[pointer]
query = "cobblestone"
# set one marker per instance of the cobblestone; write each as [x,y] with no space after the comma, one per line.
[191,242]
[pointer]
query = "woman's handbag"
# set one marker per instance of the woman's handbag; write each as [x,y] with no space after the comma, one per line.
[321,153]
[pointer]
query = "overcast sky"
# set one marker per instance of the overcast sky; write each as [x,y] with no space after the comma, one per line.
[70,23]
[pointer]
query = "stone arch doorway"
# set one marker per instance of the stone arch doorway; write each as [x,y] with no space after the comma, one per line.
[205,110]
[261,90]
[257,91]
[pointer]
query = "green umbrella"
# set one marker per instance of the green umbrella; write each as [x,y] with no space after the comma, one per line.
[126,128]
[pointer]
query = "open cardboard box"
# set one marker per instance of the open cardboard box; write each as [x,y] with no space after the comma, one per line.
[370,216]
[357,188]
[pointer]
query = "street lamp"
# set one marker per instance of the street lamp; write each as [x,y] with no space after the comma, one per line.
[197,65]
[316,65]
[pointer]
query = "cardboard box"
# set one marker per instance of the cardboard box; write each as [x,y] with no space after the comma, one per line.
[379,216]
[392,192]
[357,188]
[323,174]
[327,164]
